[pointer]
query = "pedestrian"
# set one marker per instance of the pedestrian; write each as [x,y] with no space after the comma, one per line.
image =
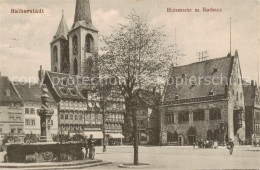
[84,152]
[215,144]
[91,147]
[230,146]
[194,144]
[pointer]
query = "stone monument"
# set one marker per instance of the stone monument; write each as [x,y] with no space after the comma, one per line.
[45,114]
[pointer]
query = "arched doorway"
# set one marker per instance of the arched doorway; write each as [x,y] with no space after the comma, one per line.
[192,133]
[75,67]
[209,135]
[181,140]
[216,134]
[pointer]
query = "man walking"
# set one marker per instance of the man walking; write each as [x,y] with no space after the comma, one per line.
[230,146]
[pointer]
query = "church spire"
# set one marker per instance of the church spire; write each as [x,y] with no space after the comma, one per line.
[62,29]
[82,11]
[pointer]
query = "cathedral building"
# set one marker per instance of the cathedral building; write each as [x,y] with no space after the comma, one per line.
[75,51]
[208,104]
[74,64]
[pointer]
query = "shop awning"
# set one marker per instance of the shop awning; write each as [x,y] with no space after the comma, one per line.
[116,135]
[96,134]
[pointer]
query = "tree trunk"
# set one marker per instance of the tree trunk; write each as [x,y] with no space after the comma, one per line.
[135,135]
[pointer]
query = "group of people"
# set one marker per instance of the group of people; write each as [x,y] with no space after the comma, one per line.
[206,144]
[210,144]
[89,151]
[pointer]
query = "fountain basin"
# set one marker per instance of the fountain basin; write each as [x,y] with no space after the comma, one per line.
[45,152]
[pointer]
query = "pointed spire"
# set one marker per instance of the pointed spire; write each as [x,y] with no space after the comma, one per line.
[62,29]
[82,11]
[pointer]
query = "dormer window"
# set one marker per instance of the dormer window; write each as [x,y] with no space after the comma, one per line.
[176,96]
[8,93]
[211,92]
[215,69]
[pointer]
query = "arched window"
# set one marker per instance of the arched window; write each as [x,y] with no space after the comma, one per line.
[75,67]
[75,44]
[89,43]
[55,54]
[209,135]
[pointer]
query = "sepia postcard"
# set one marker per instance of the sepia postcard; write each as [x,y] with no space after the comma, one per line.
[133,84]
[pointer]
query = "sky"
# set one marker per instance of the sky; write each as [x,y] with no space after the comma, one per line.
[25,38]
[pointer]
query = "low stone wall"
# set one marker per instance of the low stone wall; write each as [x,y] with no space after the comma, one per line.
[45,152]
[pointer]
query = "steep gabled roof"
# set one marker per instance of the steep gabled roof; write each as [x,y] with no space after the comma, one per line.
[31,92]
[84,24]
[82,16]
[64,85]
[6,85]
[82,11]
[197,75]
[62,30]
[147,97]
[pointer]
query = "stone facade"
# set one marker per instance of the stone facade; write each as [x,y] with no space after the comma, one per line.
[11,112]
[252,111]
[200,110]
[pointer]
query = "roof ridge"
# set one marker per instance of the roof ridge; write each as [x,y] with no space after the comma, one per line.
[16,91]
[213,59]
[52,72]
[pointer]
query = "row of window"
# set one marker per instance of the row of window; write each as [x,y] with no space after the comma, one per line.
[13,130]
[89,44]
[198,115]
[15,119]
[31,122]
[113,126]
[16,130]
[29,110]
[257,128]
[71,117]
[237,95]
[14,105]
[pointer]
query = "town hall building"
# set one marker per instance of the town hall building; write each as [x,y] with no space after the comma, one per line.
[208,104]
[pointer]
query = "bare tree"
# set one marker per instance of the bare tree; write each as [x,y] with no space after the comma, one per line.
[137,56]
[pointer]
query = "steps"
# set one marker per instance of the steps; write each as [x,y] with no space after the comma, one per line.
[55,165]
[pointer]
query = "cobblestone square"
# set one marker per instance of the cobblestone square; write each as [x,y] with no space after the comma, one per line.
[170,157]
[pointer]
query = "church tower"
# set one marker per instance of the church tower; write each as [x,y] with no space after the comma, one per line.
[83,42]
[60,48]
